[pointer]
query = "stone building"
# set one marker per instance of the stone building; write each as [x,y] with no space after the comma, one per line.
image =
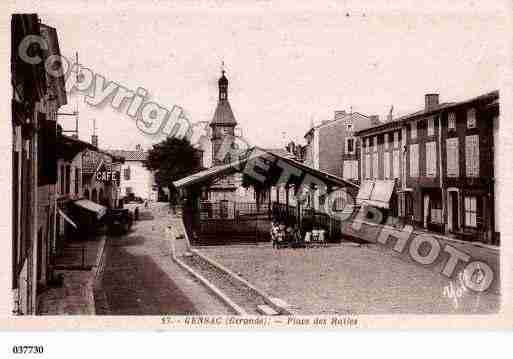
[443,162]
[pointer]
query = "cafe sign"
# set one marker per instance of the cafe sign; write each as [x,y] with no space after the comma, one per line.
[105,174]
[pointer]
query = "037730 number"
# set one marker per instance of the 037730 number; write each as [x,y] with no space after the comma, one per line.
[27,349]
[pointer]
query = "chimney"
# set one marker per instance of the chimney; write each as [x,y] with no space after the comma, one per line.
[431,101]
[94,140]
[374,120]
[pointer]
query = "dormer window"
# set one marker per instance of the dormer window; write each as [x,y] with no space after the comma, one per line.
[349,126]
[451,121]
[349,145]
[471,118]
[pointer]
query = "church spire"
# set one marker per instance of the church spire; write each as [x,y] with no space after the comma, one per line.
[223,85]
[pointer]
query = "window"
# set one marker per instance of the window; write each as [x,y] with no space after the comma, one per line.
[453,166]
[413,130]
[436,212]
[349,126]
[350,170]
[471,118]
[395,164]
[386,164]
[385,141]
[396,139]
[126,173]
[77,179]
[431,126]
[375,144]
[375,168]
[367,144]
[350,145]
[470,211]
[451,121]
[472,155]
[414,160]
[431,159]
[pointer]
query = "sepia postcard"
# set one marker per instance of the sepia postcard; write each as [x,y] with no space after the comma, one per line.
[257,165]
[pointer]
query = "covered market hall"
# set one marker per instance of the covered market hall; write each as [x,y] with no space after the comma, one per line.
[238,201]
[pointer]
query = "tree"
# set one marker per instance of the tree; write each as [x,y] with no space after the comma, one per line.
[171,160]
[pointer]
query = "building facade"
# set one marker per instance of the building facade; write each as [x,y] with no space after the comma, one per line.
[332,146]
[444,166]
[36,98]
[136,180]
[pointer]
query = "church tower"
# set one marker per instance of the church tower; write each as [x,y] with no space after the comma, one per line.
[223,125]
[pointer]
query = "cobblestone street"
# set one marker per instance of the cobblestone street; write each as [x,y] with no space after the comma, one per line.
[140,278]
[349,279]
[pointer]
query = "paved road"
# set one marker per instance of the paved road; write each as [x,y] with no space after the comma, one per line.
[139,277]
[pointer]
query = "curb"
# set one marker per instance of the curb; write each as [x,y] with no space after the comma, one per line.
[442,237]
[100,258]
[97,271]
[267,299]
[217,292]
[211,287]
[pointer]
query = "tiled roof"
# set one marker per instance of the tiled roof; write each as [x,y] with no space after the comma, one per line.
[130,155]
[279,152]
[224,114]
[489,97]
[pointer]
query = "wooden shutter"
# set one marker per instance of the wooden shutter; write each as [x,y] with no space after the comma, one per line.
[431,159]
[386,164]
[453,168]
[414,160]
[472,155]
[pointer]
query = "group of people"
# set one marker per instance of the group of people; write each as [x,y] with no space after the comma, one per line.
[285,236]
[290,236]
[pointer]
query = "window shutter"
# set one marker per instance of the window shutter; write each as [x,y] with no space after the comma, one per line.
[396,163]
[375,166]
[414,160]
[431,159]
[453,169]
[386,162]
[472,155]
[413,130]
[431,126]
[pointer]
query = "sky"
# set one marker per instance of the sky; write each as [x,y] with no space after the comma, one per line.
[288,65]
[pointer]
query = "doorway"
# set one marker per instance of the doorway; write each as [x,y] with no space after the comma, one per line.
[453,211]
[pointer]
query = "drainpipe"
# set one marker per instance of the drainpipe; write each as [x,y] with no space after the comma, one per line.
[441,172]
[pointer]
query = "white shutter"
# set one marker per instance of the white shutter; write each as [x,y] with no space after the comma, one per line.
[386,162]
[413,133]
[472,155]
[375,164]
[414,160]
[431,159]
[396,163]
[396,139]
[385,141]
[453,168]
[431,126]
[367,166]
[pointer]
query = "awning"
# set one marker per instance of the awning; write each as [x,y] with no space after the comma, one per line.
[376,193]
[63,215]
[92,207]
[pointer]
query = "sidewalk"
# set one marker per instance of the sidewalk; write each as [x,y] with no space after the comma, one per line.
[78,268]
